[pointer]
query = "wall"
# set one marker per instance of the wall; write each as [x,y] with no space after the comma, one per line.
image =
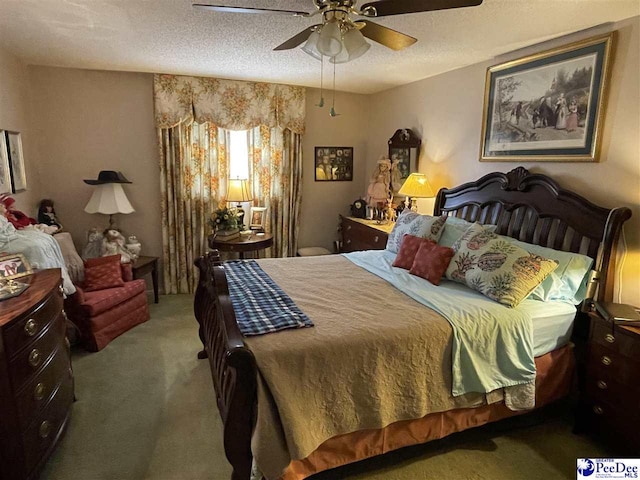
[322,202]
[14,115]
[446,111]
[86,121]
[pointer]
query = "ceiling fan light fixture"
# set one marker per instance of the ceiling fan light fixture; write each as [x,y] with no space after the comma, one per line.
[330,41]
[311,46]
[355,44]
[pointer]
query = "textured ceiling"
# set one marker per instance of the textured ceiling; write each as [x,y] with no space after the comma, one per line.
[169,36]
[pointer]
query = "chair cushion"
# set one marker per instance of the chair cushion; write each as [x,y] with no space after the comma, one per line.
[98,301]
[102,273]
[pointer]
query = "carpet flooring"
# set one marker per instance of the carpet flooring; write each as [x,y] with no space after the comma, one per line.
[145,409]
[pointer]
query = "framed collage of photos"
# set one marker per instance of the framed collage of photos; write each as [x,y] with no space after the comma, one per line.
[334,164]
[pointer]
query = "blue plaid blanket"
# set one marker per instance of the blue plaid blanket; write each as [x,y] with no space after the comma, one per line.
[259,304]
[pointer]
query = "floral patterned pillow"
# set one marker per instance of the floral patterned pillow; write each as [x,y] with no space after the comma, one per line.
[495,267]
[412,223]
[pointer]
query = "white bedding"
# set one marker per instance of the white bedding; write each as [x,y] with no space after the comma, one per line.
[552,324]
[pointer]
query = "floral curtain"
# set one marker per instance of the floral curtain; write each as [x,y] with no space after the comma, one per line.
[276,177]
[193,159]
[193,116]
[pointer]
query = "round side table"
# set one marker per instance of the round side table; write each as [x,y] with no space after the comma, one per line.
[254,244]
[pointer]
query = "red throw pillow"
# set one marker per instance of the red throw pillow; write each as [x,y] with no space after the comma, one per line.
[102,272]
[431,261]
[408,249]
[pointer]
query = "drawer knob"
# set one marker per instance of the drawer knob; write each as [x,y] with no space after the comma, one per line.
[602,385]
[38,392]
[45,429]
[348,227]
[606,360]
[598,410]
[60,289]
[609,338]
[31,327]
[348,241]
[376,238]
[35,358]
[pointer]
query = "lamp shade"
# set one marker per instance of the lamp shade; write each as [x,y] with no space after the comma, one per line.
[416,186]
[109,198]
[238,191]
[330,41]
[311,46]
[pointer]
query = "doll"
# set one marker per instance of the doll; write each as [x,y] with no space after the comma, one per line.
[47,214]
[17,218]
[113,244]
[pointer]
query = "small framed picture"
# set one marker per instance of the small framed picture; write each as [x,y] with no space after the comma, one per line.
[14,265]
[16,161]
[258,218]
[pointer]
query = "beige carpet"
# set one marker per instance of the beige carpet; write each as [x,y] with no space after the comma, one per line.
[146,410]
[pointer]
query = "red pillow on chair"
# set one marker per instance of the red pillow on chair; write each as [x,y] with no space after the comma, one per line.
[431,261]
[408,249]
[102,272]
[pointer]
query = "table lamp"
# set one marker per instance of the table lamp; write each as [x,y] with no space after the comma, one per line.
[416,186]
[109,198]
[238,191]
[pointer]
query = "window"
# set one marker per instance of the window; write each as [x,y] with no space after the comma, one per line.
[239,154]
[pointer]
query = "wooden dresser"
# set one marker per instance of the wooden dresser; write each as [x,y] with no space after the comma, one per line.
[36,380]
[361,234]
[610,396]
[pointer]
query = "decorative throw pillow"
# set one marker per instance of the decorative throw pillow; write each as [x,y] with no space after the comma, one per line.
[408,249]
[410,222]
[102,272]
[431,261]
[495,267]
[454,228]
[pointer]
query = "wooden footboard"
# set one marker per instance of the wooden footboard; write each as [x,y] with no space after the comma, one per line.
[233,366]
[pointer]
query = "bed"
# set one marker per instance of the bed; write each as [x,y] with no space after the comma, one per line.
[265,385]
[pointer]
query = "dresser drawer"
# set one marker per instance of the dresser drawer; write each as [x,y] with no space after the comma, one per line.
[604,361]
[25,366]
[357,236]
[616,339]
[36,393]
[23,331]
[622,427]
[43,432]
[602,387]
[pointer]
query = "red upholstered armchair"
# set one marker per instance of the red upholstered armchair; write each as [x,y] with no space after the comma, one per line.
[103,314]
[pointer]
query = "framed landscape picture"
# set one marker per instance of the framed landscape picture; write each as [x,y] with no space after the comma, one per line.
[333,164]
[16,161]
[547,106]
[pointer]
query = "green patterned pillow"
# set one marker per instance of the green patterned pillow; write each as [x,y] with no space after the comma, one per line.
[495,267]
[424,226]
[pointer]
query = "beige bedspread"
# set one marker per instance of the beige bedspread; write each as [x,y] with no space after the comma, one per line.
[363,365]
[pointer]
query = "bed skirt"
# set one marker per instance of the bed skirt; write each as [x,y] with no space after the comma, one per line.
[553,381]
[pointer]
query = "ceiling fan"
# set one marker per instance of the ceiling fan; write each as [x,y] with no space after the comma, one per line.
[339,30]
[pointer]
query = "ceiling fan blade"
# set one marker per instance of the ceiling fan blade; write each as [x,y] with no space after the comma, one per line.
[221,8]
[298,39]
[386,36]
[385,8]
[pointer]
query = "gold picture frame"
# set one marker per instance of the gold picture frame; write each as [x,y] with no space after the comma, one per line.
[548,106]
[14,265]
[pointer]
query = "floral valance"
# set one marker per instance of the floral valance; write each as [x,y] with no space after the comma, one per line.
[230,104]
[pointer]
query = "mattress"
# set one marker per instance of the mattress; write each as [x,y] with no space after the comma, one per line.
[552,324]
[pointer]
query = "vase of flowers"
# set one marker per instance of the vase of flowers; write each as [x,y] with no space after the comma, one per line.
[224,222]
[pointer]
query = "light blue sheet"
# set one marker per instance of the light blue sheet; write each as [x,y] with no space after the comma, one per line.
[492,344]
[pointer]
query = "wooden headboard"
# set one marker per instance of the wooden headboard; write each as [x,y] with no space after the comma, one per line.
[534,209]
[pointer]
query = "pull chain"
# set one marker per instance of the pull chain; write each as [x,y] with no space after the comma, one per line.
[332,112]
[321,102]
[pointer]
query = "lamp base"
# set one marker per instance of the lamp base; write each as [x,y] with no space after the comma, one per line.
[240,213]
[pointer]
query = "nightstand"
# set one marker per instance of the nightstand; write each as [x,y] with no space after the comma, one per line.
[610,394]
[361,234]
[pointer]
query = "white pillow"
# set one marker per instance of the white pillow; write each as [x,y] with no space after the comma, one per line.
[412,223]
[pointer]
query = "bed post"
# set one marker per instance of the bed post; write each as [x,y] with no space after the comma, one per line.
[233,366]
